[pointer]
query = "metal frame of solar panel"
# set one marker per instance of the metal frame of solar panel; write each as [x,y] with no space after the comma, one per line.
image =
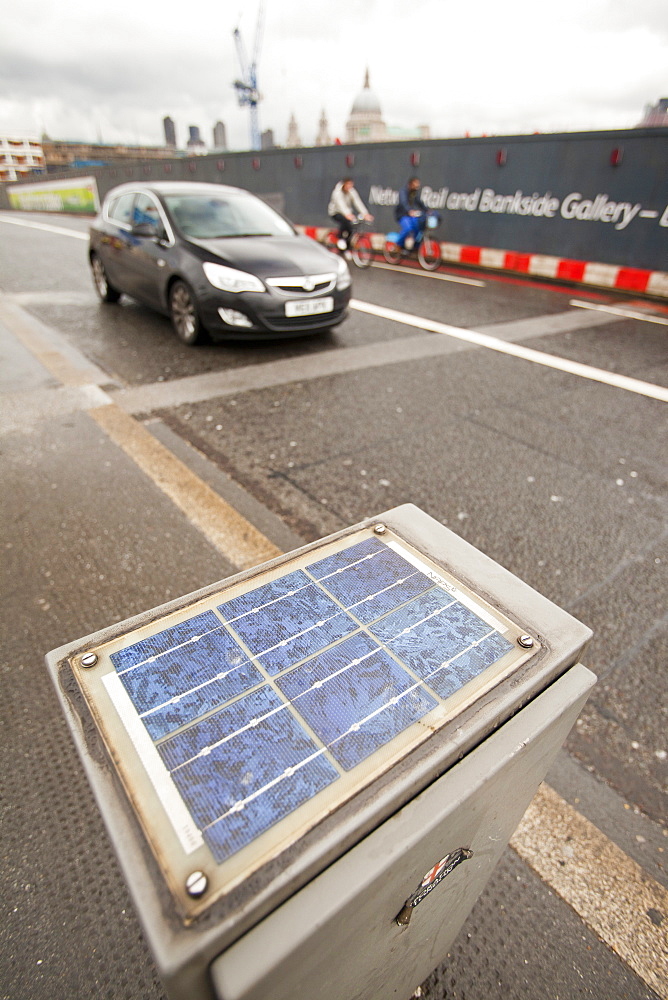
[256,706]
[261,726]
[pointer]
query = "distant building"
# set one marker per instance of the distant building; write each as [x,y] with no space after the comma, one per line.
[365,123]
[20,155]
[656,114]
[267,139]
[170,132]
[418,133]
[61,154]
[195,143]
[293,141]
[219,136]
[323,137]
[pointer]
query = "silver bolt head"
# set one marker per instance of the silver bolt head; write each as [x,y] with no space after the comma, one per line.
[526,641]
[89,660]
[380,529]
[196,884]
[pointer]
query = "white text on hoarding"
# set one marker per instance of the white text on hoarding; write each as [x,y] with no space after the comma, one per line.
[575,206]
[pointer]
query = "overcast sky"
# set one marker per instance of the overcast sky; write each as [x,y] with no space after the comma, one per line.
[112,69]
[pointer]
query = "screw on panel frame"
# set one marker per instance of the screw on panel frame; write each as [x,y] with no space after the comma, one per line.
[89,660]
[526,641]
[196,884]
[380,529]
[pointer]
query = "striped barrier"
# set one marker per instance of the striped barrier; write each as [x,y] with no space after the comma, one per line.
[639,281]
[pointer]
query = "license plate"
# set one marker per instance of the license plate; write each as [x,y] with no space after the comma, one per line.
[309,307]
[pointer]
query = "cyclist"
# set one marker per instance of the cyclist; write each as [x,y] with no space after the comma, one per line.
[345,207]
[410,213]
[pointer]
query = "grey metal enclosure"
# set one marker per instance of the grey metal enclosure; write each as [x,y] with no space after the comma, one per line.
[309,770]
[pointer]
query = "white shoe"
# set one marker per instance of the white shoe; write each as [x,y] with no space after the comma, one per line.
[341,244]
[347,254]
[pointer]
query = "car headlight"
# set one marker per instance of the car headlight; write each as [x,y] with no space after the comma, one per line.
[343,279]
[231,280]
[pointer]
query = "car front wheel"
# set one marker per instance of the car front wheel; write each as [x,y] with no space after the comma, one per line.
[104,289]
[184,315]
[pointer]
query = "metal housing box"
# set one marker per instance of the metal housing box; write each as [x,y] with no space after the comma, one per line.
[291,759]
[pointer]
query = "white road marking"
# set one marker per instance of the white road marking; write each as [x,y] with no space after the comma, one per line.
[29,224]
[516,351]
[614,311]
[606,888]
[430,274]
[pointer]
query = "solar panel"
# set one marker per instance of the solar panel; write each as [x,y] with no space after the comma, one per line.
[271,703]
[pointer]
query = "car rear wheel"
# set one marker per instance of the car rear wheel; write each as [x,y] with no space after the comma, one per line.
[104,289]
[184,315]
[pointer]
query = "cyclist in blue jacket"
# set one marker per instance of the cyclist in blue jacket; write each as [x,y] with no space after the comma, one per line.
[411,212]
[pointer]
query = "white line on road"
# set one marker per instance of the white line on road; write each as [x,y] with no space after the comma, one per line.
[516,351]
[60,230]
[626,313]
[612,894]
[430,274]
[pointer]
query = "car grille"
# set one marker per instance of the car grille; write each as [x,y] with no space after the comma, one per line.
[303,284]
[303,322]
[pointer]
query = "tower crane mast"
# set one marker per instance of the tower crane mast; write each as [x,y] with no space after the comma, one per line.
[246,87]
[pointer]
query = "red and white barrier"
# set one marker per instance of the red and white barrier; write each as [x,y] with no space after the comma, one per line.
[624,279]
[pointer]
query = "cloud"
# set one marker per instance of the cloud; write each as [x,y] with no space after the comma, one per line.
[482,66]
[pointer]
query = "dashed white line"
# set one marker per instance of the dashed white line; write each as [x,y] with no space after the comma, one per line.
[430,274]
[615,311]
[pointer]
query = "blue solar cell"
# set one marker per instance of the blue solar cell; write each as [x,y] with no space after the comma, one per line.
[169,638]
[378,581]
[200,699]
[347,557]
[434,631]
[175,676]
[226,765]
[467,665]
[355,698]
[286,620]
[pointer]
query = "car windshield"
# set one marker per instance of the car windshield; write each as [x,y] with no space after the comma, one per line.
[206,216]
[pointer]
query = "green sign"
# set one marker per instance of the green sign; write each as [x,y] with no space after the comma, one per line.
[77,196]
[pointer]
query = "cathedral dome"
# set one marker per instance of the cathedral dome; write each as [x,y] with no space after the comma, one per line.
[366,102]
[365,123]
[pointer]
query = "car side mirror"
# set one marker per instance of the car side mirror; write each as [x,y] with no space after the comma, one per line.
[147,229]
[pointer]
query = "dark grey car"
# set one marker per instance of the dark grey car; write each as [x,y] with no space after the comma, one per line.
[215,258]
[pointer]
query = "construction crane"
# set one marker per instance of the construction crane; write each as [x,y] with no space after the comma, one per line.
[246,87]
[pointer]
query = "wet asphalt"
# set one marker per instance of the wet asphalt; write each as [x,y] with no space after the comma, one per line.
[560,479]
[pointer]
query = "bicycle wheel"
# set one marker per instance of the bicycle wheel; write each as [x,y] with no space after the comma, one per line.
[429,253]
[330,241]
[392,252]
[361,250]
